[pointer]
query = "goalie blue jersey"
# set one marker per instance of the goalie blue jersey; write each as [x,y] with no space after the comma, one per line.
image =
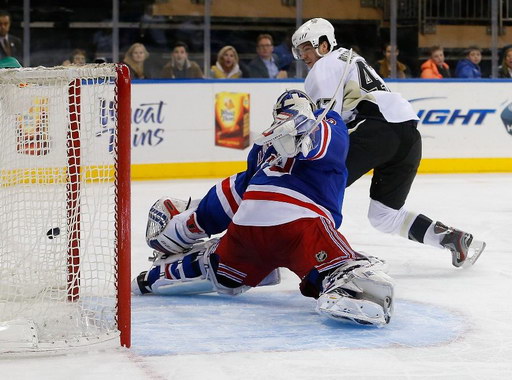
[272,193]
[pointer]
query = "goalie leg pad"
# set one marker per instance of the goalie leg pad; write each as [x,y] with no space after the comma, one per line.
[172,226]
[358,291]
[193,273]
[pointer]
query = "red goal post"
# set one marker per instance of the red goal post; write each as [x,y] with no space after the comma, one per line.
[64,207]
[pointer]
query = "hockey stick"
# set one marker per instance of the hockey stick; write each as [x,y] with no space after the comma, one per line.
[269,137]
[333,99]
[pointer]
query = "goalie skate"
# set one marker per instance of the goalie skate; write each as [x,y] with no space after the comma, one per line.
[358,291]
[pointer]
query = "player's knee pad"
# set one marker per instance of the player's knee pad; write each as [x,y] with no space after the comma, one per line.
[389,220]
[358,291]
[172,226]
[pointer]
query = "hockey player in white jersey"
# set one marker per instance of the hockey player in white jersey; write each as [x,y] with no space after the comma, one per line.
[383,137]
[287,209]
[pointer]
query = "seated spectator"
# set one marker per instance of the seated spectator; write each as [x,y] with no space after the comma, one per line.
[10,46]
[505,70]
[77,58]
[435,67]
[283,51]
[227,64]
[383,67]
[469,66]
[294,68]
[266,64]
[180,67]
[134,58]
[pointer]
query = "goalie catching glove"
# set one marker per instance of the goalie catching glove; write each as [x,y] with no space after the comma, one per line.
[172,226]
[294,120]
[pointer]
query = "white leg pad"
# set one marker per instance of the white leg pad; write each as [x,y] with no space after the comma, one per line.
[358,291]
[205,283]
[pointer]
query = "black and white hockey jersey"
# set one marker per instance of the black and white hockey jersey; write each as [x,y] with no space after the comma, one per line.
[364,91]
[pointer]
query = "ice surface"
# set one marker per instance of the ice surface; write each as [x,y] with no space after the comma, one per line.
[449,323]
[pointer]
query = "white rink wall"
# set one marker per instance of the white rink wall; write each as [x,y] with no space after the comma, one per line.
[173,125]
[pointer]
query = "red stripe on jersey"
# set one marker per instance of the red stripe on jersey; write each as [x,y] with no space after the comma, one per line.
[277,197]
[168,274]
[226,190]
[324,143]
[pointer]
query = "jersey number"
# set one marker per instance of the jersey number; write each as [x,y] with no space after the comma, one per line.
[367,80]
[281,168]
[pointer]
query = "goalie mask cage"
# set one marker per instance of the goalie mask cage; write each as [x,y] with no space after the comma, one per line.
[64,207]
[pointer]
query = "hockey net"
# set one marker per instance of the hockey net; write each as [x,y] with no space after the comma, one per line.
[64,207]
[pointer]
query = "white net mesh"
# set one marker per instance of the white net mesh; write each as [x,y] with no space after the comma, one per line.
[57,207]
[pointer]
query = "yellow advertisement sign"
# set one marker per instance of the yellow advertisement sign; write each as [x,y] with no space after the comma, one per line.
[32,136]
[232,119]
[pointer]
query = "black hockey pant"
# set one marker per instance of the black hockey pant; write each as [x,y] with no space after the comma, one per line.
[392,150]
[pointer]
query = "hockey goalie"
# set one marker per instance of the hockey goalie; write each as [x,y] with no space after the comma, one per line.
[283,211]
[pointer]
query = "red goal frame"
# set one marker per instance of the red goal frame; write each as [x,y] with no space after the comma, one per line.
[123,195]
[123,212]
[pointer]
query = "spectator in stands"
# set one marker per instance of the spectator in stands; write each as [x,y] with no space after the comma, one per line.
[505,70]
[180,67]
[10,46]
[134,58]
[287,62]
[266,64]
[227,64]
[469,66]
[435,67]
[283,51]
[383,67]
[78,58]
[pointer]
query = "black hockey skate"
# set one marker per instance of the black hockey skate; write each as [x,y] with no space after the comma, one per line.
[465,250]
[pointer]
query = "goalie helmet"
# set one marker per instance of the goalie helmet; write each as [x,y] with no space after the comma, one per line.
[291,98]
[312,31]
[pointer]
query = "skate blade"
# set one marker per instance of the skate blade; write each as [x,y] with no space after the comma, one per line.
[475,250]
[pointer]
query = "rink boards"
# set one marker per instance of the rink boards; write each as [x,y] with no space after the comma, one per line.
[466,125]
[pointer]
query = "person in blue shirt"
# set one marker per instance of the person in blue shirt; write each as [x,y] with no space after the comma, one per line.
[469,66]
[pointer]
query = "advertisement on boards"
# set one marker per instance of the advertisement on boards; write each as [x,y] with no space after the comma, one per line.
[232,113]
[180,122]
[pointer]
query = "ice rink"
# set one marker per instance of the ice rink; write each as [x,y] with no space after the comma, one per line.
[449,323]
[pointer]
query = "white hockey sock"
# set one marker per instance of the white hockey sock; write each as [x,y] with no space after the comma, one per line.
[408,224]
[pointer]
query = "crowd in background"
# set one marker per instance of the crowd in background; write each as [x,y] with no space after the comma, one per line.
[269,61]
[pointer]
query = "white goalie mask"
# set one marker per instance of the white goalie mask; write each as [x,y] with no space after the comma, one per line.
[293,122]
[292,98]
[311,31]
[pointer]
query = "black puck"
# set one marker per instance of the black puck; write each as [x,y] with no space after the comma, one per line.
[53,232]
